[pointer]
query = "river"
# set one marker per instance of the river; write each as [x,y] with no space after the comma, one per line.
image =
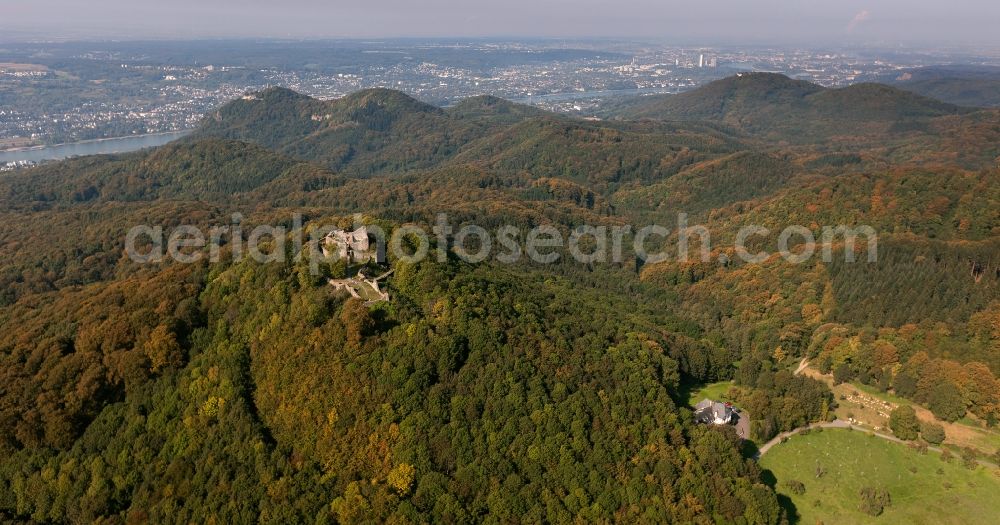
[90,147]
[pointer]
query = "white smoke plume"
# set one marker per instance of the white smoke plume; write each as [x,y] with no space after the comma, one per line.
[858,20]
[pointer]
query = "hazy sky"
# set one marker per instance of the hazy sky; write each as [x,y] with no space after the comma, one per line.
[826,21]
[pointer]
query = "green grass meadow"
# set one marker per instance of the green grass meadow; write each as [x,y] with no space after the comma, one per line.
[923,488]
[714,391]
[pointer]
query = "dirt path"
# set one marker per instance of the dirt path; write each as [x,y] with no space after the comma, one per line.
[840,423]
[922,413]
[873,411]
[837,423]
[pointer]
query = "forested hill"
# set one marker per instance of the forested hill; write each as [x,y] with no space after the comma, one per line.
[212,170]
[723,99]
[237,391]
[972,86]
[370,131]
[775,106]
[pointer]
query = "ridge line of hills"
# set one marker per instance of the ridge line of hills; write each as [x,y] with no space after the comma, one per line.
[778,107]
[763,107]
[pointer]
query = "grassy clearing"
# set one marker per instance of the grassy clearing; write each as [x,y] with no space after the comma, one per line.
[366,292]
[924,489]
[714,391]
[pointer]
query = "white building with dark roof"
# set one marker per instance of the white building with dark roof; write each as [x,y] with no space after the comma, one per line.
[713,412]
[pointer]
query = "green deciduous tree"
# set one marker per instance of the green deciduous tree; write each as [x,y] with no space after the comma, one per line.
[904,423]
[946,402]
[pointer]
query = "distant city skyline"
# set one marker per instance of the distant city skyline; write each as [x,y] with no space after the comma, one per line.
[960,22]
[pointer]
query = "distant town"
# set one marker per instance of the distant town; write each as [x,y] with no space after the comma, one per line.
[15,164]
[67,92]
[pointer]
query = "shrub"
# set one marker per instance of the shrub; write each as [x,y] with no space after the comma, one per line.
[970,458]
[795,487]
[874,500]
[932,433]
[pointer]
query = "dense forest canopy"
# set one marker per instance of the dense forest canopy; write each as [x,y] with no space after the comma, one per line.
[237,390]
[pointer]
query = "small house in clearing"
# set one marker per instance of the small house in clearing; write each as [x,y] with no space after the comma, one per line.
[713,412]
